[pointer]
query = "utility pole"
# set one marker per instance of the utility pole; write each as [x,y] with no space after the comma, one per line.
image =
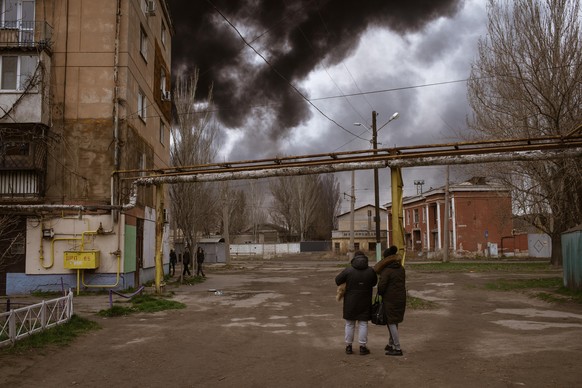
[446,222]
[226,222]
[351,247]
[352,215]
[376,190]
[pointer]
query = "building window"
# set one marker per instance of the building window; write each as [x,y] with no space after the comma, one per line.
[162,131]
[142,164]
[416,216]
[143,43]
[163,34]
[357,246]
[163,82]
[17,71]
[141,105]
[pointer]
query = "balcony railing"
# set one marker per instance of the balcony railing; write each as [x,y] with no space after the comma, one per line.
[25,34]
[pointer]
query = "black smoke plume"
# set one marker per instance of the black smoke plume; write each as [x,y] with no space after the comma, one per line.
[295,37]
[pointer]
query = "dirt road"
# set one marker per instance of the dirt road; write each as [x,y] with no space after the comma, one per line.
[278,325]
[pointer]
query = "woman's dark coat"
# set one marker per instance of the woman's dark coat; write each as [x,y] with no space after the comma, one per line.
[392,287]
[360,281]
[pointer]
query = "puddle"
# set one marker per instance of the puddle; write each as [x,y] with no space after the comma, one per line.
[535,313]
[255,324]
[533,325]
[425,295]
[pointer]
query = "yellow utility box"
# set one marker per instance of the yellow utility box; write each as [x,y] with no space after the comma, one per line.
[82,259]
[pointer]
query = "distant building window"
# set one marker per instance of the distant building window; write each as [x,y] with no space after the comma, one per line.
[162,131]
[143,43]
[163,34]
[416,216]
[141,105]
[357,246]
[163,82]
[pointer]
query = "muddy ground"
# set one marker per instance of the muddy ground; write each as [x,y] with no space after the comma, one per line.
[277,324]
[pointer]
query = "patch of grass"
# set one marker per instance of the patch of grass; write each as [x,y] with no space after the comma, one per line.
[520,284]
[142,303]
[419,304]
[555,291]
[191,280]
[481,267]
[60,335]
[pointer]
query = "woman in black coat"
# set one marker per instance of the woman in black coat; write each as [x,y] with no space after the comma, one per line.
[392,287]
[360,279]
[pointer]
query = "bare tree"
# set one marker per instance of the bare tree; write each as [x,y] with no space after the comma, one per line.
[305,192]
[283,201]
[12,242]
[238,212]
[255,202]
[526,83]
[306,204]
[329,202]
[193,142]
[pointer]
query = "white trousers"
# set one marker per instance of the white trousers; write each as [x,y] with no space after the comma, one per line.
[362,332]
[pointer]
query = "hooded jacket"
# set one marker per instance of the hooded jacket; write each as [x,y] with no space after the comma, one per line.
[360,280]
[392,287]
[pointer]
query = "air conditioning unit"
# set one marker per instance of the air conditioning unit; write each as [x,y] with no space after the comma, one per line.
[151,7]
[166,95]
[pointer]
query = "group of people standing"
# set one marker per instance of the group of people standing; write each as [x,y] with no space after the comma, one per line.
[359,280]
[186,262]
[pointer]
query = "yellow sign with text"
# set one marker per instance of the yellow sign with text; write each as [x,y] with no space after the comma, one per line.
[82,259]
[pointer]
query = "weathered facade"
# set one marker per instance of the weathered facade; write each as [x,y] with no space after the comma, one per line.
[364,230]
[85,107]
[480,214]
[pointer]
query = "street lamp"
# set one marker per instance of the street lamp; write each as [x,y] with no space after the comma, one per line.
[376,190]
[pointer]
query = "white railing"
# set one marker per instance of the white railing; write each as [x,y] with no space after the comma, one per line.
[22,322]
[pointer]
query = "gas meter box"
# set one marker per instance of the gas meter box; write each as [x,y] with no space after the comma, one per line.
[82,259]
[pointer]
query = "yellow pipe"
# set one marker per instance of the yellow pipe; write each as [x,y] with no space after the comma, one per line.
[118,255]
[397,216]
[53,248]
[159,236]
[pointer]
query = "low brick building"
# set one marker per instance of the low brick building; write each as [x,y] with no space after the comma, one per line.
[480,214]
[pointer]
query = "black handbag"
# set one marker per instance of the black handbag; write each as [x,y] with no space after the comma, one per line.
[378,313]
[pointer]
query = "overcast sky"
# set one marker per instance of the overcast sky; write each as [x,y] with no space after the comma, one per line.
[330,49]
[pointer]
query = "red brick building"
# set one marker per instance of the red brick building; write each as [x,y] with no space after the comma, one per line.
[480,214]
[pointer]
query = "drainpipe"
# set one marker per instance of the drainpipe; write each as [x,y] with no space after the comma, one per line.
[159,236]
[116,162]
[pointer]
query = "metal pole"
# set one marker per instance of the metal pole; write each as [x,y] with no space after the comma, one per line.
[446,221]
[226,223]
[159,237]
[351,248]
[376,193]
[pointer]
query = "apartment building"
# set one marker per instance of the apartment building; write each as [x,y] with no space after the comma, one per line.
[480,214]
[84,109]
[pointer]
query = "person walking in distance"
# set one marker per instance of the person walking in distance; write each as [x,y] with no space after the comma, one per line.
[186,262]
[199,261]
[392,287]
[360,280]
[173,261]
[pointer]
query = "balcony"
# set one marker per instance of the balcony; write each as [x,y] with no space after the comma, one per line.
[23,154]
[25,35]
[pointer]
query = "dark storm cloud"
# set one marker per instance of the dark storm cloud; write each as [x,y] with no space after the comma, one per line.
[295,36]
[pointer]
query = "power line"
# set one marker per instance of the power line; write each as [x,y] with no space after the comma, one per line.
[281,75]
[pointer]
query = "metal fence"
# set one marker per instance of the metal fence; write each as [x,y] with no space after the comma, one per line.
[22,322]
